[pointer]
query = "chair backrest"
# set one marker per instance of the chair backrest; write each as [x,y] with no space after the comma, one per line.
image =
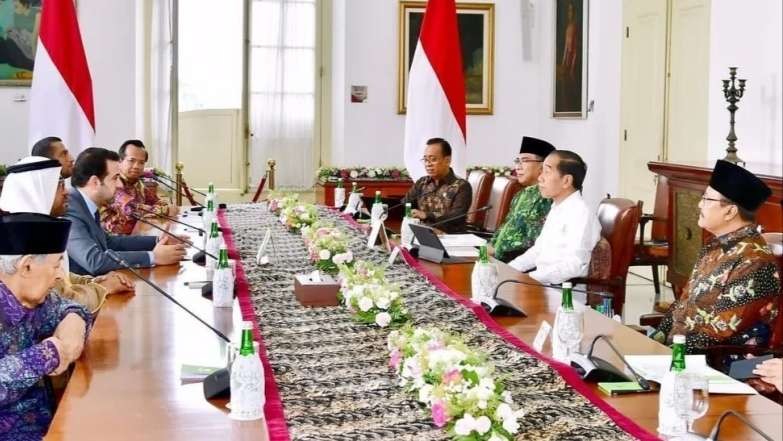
[619,219]
[481,183]
[503,191]
[660,211]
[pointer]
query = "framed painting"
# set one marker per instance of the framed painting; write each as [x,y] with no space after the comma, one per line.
[570,70]
[476,22]
[19,22]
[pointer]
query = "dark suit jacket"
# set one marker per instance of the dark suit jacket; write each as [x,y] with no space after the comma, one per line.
[88,243]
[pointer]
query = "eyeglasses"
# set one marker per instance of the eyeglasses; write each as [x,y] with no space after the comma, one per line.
[429,160]
[705,198]
[518,161]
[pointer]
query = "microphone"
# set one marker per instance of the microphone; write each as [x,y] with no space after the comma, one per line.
[715,432]
[217,383]
[172,188]
[595,369]
[501,307]
[201,231]
[465,214]
[156,174]
[140,219]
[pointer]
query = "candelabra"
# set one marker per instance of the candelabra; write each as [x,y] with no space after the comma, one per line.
[733,95]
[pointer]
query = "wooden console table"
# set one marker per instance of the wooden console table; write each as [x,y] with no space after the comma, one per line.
[324,191]
[687,183]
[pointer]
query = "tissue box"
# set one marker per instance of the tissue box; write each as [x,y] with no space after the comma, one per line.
[311,293]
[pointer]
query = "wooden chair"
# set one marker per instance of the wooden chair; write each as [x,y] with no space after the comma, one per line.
[619,219]
[503,191]
[655,251]
[481,183]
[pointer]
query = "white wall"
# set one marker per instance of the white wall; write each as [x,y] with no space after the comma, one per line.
[372,133]
[750,37]
[108,34]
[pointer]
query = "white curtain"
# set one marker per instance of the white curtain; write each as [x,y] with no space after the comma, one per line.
[282,90]
[160,84]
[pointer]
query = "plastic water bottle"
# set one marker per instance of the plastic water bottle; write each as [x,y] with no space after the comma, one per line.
[674,398]
[223,282]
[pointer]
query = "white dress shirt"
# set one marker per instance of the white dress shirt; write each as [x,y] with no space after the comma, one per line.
[563,249]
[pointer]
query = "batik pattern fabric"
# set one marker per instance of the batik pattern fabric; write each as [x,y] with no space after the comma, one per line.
[333,373]
[135,199]
[522,225]
[25,359]
[441,200]
[734,288]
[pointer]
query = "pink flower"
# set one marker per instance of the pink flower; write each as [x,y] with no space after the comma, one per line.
[395,358]
[451,376]
[434,345]
[344,174]
[395,174]
[439,416]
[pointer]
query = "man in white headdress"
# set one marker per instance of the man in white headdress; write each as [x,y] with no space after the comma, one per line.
[34,185]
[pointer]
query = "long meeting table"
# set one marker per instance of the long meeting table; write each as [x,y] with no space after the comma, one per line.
[126,385]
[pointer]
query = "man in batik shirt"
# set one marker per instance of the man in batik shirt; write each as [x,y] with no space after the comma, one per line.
[528,208]
[440,195]
[40,332]
[733,292]
[135,198]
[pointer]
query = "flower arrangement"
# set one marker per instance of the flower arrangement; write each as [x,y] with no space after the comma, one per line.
[278,201]
[457,383]
[328,249]
[333,173]
[296,216]
[495,170]
[309,232]
[376,303]
[362,272]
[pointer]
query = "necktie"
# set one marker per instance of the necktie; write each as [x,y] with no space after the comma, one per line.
[98,217]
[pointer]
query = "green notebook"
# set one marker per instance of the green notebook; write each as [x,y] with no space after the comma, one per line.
[618,388]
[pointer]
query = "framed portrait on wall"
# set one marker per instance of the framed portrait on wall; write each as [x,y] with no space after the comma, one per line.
[570,88]
[19,23]
[476,22]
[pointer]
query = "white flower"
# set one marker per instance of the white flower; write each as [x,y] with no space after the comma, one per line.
[348,256]
[483,424]
[503,412]
[354,174]
[339,258]
[482,404]
[383,302]
[425,393]
[382,319]
[465,425]
[324,254]
[511,425]
[370,173]
[378,171]
[506,395]
[365,304]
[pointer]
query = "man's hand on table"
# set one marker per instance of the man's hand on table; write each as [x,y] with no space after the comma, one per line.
[115,282]
[418,214]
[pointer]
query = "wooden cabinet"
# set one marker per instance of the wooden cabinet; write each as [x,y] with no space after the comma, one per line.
[687,183]
[324,192]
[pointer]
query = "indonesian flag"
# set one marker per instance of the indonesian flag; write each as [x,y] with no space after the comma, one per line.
[436,89]
[61,95]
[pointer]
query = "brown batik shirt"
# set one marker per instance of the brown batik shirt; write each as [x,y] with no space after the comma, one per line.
[734,286]
[449,197]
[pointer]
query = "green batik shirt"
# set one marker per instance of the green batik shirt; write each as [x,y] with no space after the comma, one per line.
[522,225]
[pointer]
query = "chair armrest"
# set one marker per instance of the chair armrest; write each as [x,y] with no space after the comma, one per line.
[653,319]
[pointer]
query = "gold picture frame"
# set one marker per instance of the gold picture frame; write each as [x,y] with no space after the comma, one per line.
[477,32]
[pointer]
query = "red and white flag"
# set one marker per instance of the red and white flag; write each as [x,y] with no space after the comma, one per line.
[61,101]
[436,89]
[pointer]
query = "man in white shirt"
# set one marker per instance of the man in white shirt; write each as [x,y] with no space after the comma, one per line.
[571,231]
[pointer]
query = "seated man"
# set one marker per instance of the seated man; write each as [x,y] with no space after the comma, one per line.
[134,197]
[528,208]
[34,185]
[52,147]
[571,230]
[735,286]
[440,195]
[40,333]
[95,178]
